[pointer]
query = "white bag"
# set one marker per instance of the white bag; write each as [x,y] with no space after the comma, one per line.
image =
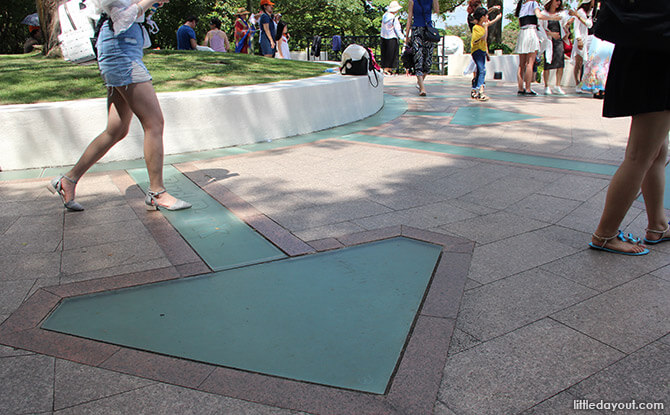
[77,30]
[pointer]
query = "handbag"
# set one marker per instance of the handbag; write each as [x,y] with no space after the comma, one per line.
[431,34]
[407,58]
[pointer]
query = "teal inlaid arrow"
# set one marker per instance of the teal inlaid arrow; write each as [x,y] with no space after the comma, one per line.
[220,238]
[339,318]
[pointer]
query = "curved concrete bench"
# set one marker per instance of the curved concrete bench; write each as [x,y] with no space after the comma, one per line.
[55,134]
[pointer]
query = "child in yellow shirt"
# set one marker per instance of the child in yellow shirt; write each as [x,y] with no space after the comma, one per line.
[479,50]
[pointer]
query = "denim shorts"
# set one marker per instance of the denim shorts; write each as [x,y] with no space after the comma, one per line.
[266,49]
[120,57]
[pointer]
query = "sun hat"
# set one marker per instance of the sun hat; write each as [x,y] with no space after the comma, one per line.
[242,10]
[394,6]
[583,2]
[267,2]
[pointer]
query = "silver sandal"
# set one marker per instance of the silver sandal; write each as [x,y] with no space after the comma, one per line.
[56,186]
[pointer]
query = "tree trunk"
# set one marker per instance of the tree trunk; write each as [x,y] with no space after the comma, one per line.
[48,13]
[495,30]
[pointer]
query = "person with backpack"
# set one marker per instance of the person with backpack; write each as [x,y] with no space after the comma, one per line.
[418,20]
[129,91]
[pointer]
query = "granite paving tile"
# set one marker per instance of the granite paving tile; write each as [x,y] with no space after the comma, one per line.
[544,208]
[461,341]
[27,384]
[76,384]
[12,294]
[424,217]
[503,192]
[442,409]
[559,404]
[29,266]
[75,237]
[602,271]
[575,187]
[158,367]
[507,304]
[325,244]
[94,217]
[334,230]
[585,217]
[169,399]
[643,376]
[112,254]
[6,351]
[626,317]
[302,219]
[513,372]
[490,228]
[501,259]
[7,221]
[30,242]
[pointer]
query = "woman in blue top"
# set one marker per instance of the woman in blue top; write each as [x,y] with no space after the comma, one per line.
[418,18]
[267,29]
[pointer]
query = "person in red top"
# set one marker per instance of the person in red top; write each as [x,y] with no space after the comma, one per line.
[242,30]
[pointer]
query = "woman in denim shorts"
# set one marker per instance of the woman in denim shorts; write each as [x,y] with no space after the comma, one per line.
[129,91]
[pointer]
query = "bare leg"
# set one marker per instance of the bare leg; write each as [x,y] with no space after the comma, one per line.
[647,146]
[653,187]
[578,69]
[559,76]
[143,101]
[521,71]
[419,81]
[118,122]
[546,78]
[528,77]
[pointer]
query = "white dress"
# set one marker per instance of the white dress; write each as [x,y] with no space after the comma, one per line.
[581,32]
[528,40]
[285,52]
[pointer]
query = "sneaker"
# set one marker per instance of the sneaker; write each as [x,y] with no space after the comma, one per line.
[547,91]
[558,91]
[473,94]
[521,93]
[531,93]
[580,91]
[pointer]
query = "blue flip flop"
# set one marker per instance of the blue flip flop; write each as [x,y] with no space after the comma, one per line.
[625,238]
[657,241]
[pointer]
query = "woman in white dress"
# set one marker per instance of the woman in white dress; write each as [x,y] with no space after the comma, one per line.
[281,37]
[528,43]
[581,25]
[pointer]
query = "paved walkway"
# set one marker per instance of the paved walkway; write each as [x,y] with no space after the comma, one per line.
[542,321]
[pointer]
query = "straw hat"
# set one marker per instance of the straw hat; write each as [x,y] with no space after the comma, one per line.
[394,6]
[242,10]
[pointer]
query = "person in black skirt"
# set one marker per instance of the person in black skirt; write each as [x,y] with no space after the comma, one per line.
[640,32]
[556,33]
[390,33]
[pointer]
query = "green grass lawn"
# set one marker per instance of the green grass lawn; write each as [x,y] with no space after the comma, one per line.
[26,79]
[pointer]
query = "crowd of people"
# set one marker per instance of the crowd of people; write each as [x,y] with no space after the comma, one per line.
[267,24]
[548,32]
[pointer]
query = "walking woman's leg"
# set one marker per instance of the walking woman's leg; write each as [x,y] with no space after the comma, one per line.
[118,122]
[521,73]
[578,69]
[647,143]
[144,103]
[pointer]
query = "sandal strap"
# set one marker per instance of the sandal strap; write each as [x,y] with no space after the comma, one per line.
[73,181]
[660,232]
[624,238]
[605,239]
[154,194]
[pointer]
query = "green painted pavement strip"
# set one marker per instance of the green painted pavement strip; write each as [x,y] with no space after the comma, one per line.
[221,239]
[430,114]
[482,115]
[530,160]
[339,318]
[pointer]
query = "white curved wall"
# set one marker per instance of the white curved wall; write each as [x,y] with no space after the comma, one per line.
[55,134]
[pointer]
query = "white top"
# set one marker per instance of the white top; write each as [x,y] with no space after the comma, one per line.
[391,27]
[528,8]
[285,52]
[581,29]
[122,12]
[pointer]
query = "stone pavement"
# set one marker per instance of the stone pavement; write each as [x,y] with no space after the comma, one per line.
[542,320]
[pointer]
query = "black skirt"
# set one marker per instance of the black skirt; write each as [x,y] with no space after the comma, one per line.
[638,82]
[390,51]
